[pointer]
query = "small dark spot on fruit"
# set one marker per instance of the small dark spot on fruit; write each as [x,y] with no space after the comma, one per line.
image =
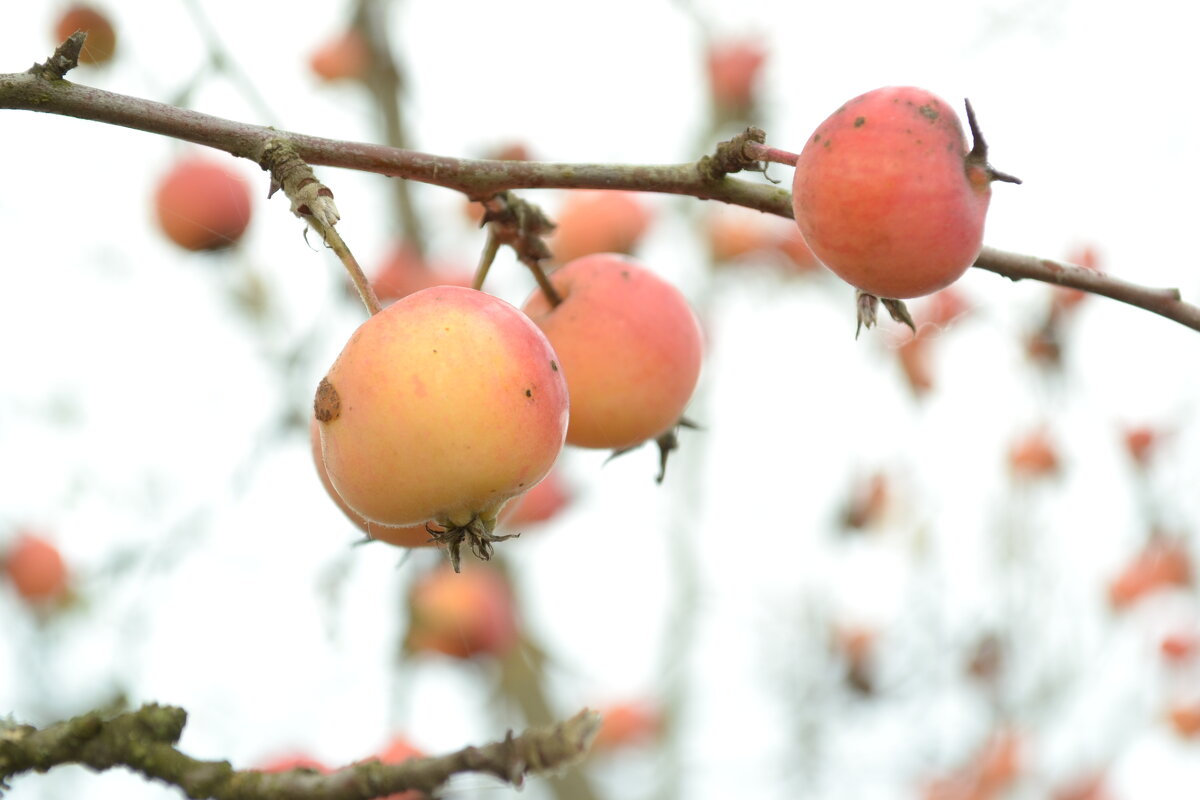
[860,121]
[554,366]
[327,405]
[929,112]
[816,137]
[625,274]
[529,393]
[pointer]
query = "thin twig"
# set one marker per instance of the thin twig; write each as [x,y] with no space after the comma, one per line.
[482,179]
[1164,302]
[145,741]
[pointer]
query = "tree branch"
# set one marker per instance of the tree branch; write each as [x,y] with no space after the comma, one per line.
[706,179]
[144,740]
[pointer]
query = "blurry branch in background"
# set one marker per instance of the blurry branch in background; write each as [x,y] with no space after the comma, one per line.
[39,89]
[385,82]
[220,60]
[144,741]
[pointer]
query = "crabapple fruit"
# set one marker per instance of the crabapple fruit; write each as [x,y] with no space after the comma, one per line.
[629,345]
[888,196]
[540,504]
[442,407]
[1163,562]
[403,536]
[462,615]
[203,205]
[598,221]
[405,271]
[345,56]
[734,71]
[101,42]
[629,723]
[36,569]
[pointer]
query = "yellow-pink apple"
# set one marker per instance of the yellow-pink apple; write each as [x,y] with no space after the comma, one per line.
[441,407]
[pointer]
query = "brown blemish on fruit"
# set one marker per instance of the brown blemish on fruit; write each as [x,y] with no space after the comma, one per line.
[327,405]
[929,112]
[554,366]
[860,121]
[529,392]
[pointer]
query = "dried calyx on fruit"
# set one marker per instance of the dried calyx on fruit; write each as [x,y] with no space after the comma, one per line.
[889,197]
[439,410]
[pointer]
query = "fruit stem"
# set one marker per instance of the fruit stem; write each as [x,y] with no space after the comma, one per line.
[543,282]
[490,249]
[760,152]
[979,150]
[369,298]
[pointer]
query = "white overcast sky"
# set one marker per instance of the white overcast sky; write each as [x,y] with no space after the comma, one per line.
[164,390]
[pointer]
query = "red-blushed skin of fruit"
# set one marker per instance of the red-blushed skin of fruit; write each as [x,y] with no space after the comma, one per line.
[404,271]
[734,67]
[462,614]
[1162,563]
[450,402]
[1185,718]
[629,345]
[404,536]
[598,221]
[344,56]
[36,569]
[627,724]
[203,205]
[540,504]
[101,42]
[884,197]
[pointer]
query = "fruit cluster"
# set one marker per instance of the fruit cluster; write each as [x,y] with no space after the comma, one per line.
[449,403]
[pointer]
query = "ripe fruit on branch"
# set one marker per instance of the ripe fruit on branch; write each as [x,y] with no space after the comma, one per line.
[1034,456]
[405,271]
[540,504]
[202,204]
[442,407]
[36,569]
[345,56]
[403,536]
[889,197]
[599,221]
[628,724]
[101,40]
[462,615]
[734,67]
[630,348]
[1163,562]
